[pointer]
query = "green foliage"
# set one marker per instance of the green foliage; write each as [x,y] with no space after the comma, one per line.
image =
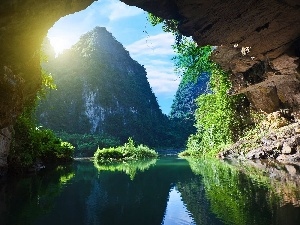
[168,25]
[46,54]
[32,144]
[126,152]
[220,118]
[184,103]
[85,144]
[191,61]
[48,84]
[131,167]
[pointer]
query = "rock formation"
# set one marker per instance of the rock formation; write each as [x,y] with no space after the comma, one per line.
[100,89]
[23,26]
[259,44]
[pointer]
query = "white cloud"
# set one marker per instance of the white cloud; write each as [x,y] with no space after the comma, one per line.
[162,79]
[155,52]
[160,44]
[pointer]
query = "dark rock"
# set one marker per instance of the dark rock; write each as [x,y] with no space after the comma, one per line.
[253,50]
[5,141]
[297,140]
[279,145]
[256,154]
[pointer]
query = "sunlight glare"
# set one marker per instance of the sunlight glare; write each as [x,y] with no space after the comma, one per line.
[59,44]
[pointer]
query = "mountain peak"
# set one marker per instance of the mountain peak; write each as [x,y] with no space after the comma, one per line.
[99,40]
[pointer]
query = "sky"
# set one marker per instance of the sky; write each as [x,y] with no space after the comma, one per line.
[148,45]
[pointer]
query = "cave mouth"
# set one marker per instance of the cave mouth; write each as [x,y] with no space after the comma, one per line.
[148,45]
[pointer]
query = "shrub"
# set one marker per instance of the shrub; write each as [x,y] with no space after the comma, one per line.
[85,144]
[126,152]
[31,145]
[220,118]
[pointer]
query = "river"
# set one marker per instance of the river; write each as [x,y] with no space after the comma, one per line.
[165,191]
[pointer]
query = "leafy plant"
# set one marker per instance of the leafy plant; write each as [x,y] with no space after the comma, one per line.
[220,118]
[129,151]
[32,145]
[85,144]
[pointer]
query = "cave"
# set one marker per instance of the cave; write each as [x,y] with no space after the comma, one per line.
[254,36]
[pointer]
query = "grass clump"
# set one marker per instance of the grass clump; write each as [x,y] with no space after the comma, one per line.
[126,152]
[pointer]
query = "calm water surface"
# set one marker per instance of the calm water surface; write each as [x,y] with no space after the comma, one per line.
[166,191]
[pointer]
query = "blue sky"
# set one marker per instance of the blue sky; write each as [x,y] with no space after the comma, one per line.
[148,45]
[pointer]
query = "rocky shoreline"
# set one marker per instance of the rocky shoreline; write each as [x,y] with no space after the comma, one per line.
[279,144]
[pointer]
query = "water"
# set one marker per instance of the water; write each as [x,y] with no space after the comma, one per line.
[166,191]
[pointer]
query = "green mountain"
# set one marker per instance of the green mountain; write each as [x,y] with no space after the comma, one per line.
[184,103]
[101,90]
[182,115]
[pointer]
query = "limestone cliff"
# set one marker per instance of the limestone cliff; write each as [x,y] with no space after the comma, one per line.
[270,27]
[100,89]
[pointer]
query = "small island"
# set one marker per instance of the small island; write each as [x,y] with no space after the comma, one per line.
[129,151]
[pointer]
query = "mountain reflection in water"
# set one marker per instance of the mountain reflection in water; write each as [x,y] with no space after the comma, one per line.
[166,191]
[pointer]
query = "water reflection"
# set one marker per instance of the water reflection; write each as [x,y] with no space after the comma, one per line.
[131,168]
[176,211]
[24,199]
[166,191]
[243,194]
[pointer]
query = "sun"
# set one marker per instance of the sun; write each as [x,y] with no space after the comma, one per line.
[59,44]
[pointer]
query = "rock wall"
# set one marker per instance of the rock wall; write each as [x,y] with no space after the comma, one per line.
[5,140]
[260,42]
[23,26]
